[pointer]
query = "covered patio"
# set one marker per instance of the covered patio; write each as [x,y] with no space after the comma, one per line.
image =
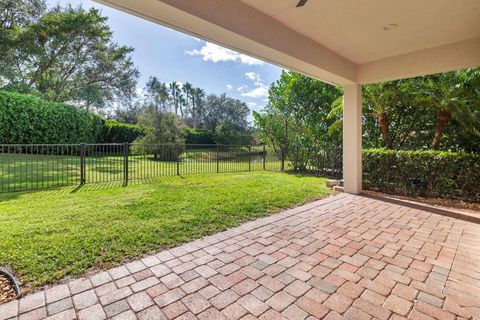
[346,43]
[343,257]
[349,256]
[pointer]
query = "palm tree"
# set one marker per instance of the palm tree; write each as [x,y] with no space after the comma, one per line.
[375,100]
[182,102]
[174,93]
[187,90]
[157,93]
[380,101]
[454,98]
[198,95]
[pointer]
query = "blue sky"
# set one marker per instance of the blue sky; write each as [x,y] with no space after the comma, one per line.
[174,56]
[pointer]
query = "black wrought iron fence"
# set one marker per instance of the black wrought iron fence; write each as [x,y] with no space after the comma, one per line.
[32,167]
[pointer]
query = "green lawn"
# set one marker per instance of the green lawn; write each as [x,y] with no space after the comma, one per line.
[48,235]
[20,172]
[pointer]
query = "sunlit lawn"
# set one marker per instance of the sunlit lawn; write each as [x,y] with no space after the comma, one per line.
[48,235]
[20,172]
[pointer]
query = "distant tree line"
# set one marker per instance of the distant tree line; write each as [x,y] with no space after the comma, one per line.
[178,113]
[66,54]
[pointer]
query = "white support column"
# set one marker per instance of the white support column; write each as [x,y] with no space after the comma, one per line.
[352,138]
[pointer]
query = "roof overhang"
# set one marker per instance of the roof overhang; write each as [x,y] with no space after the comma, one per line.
[288,37]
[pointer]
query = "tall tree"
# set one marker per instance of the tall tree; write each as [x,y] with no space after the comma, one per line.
[157,94]
[160,125]
[225,118]
[198,96]
[454,96]
[66,54]
[187,91]
[275,129]
[295,120]
[174,94]
[392,116]
[156,98]
[20,13]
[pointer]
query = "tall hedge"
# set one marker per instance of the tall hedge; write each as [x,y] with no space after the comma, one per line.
[25,119]
[423,173]
[199,136]
[117,132]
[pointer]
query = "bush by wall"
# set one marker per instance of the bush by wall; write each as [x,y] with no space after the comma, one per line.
[423,173]
[117,132]
[25,119]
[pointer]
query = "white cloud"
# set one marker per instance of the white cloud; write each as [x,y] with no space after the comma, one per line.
[253,76]
[229,87]
[242,88]
[214,53]
[260,90]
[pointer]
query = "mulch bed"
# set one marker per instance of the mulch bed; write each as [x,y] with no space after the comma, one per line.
[7,289]
[451,203]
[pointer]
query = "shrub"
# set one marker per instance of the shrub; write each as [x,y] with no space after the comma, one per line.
[159,152]
[423,173]
[25,119]
[327,160]
[198,136]
[117,132]
[299,155]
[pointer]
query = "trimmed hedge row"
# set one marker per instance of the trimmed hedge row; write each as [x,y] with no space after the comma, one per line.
[198,136]
[26,119]
[118,132]
[423,173]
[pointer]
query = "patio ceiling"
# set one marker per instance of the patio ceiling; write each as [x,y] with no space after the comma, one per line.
[337,41]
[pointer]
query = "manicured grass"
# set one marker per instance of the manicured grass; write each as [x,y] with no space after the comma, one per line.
[48,235]
[20,172]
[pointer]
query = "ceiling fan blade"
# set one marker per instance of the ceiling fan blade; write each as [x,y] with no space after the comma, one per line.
[301,3]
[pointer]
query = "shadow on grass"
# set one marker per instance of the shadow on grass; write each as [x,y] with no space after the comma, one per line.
[304,174]
[85,188]
[89,187]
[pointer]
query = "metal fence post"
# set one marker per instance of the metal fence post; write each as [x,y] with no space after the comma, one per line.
[178,159]
[82,164]
[249,158]
[126,146]
[264,157]
[217,161]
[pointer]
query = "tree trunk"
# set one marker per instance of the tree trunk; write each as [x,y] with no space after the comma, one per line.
[383,123]
[194,113]
[443,118]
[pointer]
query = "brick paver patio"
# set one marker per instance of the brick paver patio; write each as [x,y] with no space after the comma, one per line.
[344,257]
